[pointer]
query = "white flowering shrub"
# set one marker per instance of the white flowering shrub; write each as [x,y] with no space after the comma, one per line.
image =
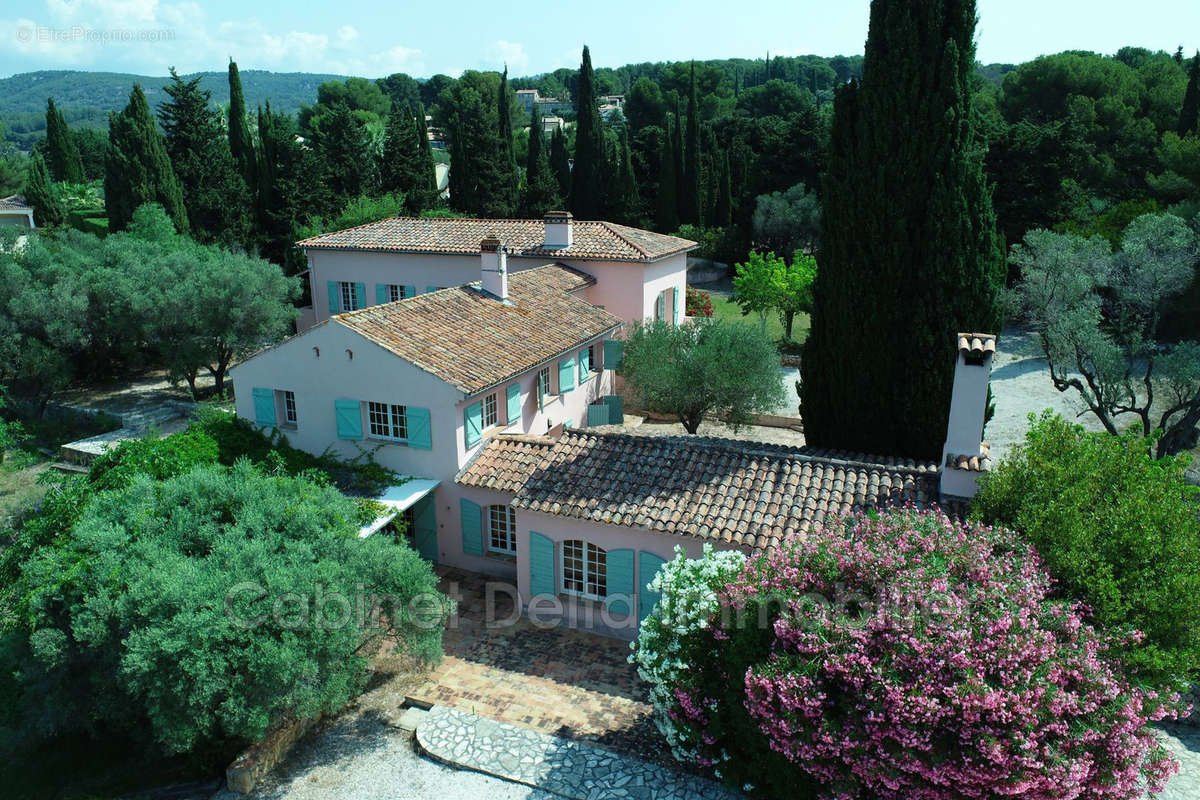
[689,591]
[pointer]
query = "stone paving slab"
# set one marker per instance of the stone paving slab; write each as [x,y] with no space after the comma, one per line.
[553,764]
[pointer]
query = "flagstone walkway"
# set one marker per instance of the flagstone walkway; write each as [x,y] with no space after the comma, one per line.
[571,769]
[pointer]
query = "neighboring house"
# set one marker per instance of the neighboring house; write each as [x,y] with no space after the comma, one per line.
[638,274]
[552,124]
[15,212]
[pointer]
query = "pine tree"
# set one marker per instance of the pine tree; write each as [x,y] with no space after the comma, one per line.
[214,193]
[240,143]
[137,168]
[407,165]
[689,200]
[587,179]
[677,159]
[61,150]
[722,214]
[507,161]
[910,252]
[476,174]
[39,194]
[667,213]
[1189,117]
[560,162]
[541,187]
[343,147]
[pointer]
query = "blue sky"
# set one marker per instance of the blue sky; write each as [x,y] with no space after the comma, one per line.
[378,37]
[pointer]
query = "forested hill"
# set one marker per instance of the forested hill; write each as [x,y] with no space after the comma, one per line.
[85,98]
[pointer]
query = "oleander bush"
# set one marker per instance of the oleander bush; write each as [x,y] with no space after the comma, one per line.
[1118,530]
[897,655]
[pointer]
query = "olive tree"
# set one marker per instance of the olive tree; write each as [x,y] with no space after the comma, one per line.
[704,367]
[1095,315]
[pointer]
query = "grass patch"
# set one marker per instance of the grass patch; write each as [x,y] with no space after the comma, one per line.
[729,311]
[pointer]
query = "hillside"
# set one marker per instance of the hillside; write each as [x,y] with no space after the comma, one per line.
[86,97]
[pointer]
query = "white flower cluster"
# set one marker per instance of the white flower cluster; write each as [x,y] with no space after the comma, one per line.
[687,601]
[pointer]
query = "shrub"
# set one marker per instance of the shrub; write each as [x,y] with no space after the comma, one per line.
[188,611]
[158,458]
[699,303]
[1118,530]
[900,655]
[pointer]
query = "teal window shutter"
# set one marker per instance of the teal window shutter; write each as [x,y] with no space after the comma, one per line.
[430,288]
[381,294]
[360,295]
[264,407]
[597,414]
[425,528]
[566,375]
[472,527]
[613,350]
[473,424]
[675,299]
[410,291]
[660,306]
[420,434]
[619,571]
[585,365]
[513,396]
[648,565]
[349,419]
[616,409]
[335,297]
[541,565]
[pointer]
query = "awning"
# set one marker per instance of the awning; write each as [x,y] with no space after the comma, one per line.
[398,499]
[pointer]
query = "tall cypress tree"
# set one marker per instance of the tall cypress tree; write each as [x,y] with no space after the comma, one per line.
[240,143]
[677,160]
[507,161]
[587,179]
[61,150]
[560,162]
[624,200]
[344,149]
[689,200]
[39,194]
[722,213]
[427,172]
[137,168]
[407,165]
[667,212]
[910,250]
[217,198]
[541,187]
[1189,117]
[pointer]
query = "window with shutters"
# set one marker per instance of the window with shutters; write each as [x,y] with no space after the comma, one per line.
[584,569]
[588,358]
[490,417]
[346,290]
[289,409]
[543,385]
[387,421]
[502,529]
[395,292]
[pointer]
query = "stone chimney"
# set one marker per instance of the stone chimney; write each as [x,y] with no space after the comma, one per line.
[559,234]
[965,456]
[494,267]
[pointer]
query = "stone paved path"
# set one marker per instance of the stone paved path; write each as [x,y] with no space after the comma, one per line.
[565,767]
[1184,744]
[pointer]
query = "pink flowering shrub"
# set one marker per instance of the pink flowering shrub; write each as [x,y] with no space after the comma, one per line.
[903,655]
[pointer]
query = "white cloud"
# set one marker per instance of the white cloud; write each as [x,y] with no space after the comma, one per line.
[511,53]
[147,36]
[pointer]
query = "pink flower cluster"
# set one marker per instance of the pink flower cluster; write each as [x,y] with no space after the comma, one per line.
[915,657]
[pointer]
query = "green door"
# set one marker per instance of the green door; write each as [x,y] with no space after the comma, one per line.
[425,528]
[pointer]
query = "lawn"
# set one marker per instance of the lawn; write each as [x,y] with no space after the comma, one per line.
[725,309]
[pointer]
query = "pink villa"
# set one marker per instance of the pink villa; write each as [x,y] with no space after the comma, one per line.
[483,373]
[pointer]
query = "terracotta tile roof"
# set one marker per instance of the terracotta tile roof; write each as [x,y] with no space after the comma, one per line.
[524,237]
[473,341]
[975,462]
[14,202]
[977,344]
[746,493]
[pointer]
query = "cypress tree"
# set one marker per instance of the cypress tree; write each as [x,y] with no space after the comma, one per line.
[910,251]
[345,153]
[240,143]
[137,168]
[667,215]
[689,200]
[541,187]
[61,150]
[1189,117]
[39,194]
[426,171]
[677,161]
[401,152]
[560,162]
[624,205]
[507,161]
[722,215]
[215,195]
[279,176]
[587,181]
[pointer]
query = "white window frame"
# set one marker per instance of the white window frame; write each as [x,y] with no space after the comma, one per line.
[387,421]
[395,291]
[502,530]
[543,386]
[589,563]
[491,414]
[290,417]
[346,296]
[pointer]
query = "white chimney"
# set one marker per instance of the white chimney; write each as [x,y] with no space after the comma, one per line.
[558,226]
[494,267]
[965,456]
